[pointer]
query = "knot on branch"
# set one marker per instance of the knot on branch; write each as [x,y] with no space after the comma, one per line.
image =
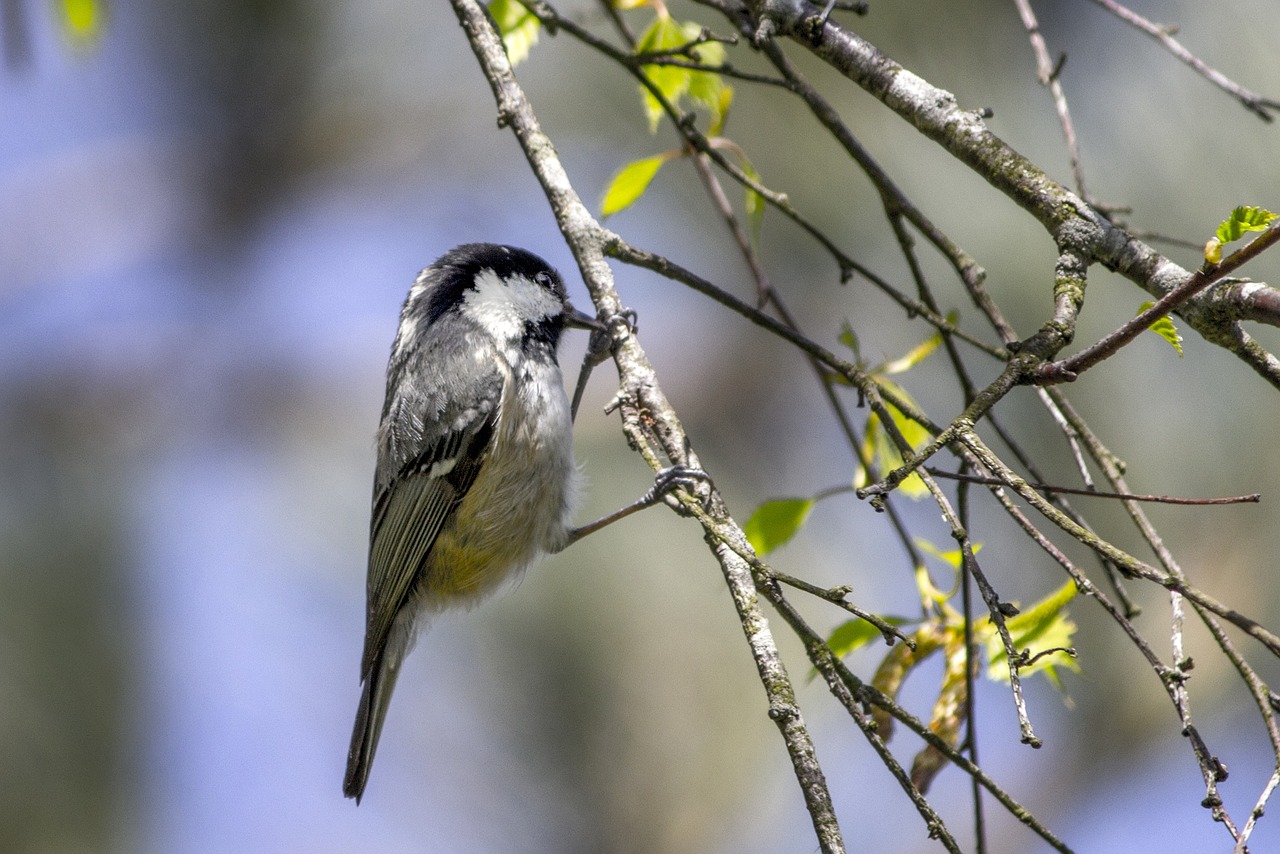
[783,712]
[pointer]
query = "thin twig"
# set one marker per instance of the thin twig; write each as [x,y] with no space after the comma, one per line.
[839,596]
[1253,102]
[1252,498]
[1049,74]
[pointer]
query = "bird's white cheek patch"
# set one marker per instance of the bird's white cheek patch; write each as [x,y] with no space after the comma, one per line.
[503,308]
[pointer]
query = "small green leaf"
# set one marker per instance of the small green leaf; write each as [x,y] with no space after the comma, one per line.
[930,593]
[721,110]
[630,183]
[855,633]
[775,522]
[849,338]
[913,358]
[664,34]
[519,28]
[754,204]
[850,636]
[707,87]
[1243,219]
[1165,328]
[1045,625]
[879,446]
[82,20]
[952,558]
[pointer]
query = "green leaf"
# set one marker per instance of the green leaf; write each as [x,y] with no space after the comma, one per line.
[775,522]
[720,111]
[952,558]
[1165,328]
[855,633]
[664,34]
[1243,219]
[707,87]
[754,204]
[930,593]
[630,183]
[519,28]
[879,446]
[82,20]
[849,338]
[1045,625]
[913,358]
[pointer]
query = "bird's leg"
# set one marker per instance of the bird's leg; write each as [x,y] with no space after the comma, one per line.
[667,480]
[598,349]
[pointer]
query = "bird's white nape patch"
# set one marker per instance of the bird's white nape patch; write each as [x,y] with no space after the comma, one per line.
[420,284]
[407,332]
[503,308]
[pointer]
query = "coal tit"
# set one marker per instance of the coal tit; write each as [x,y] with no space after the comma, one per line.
[475,473]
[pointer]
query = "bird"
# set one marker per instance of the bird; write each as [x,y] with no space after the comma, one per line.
[475,473]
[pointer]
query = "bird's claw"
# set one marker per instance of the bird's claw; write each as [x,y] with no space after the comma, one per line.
[692,480]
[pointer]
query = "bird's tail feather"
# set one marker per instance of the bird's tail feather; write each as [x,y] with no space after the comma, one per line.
[374,699]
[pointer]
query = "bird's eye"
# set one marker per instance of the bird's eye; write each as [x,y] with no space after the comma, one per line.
[543,278]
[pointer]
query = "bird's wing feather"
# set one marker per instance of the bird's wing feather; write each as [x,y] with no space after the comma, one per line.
[411,509]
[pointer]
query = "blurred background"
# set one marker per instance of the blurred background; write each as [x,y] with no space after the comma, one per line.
[209,214]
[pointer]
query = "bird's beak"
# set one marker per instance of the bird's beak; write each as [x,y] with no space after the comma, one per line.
[580,320]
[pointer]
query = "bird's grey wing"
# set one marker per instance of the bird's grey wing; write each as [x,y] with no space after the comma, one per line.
[410,510]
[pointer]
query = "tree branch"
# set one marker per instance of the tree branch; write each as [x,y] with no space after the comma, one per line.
[647,415]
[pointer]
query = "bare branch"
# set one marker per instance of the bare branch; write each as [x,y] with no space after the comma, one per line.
[1251,101]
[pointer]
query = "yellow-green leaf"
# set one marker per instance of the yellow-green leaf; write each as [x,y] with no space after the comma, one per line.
[1243,219]
[914,357]
[707,87]
[630,183]
[952,558]
[664,34]
[754,202]
[878,446]
[849,338]
[1044,626]
[851,635]
[82,20]
[519,28]
[1165,328]
[930,593]
[721,110]
[775,522]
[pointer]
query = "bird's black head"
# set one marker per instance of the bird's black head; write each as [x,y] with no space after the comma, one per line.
[508,292]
